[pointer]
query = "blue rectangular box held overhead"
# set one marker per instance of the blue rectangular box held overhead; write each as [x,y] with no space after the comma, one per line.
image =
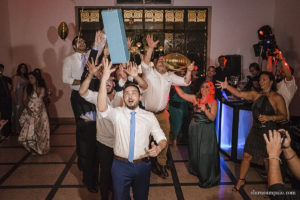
[115,34]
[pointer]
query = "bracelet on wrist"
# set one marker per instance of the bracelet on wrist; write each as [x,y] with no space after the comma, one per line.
[291,157]
[274,158]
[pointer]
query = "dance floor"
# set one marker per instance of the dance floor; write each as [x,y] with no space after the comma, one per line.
[56,176]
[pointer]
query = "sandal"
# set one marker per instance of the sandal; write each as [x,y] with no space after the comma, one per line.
[235,189]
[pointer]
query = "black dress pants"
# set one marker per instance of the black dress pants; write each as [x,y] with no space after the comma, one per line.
[105,156]
[75,100]
[87,155]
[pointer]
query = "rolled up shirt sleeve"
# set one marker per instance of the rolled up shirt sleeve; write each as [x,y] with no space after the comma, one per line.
[91,97]
[108,114]
[67,72]
[177,80]
[156,131]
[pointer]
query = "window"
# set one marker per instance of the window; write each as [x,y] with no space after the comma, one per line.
[180,30]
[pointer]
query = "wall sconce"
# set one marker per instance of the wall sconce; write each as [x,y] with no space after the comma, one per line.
[63,30]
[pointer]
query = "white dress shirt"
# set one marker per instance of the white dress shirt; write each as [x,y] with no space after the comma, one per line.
[73,69]
[105,130]
[155,97]
[287,89]
[145,124]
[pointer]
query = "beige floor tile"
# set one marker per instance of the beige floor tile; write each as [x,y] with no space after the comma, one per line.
[155,179]
[63,140]
[17,194]
[10,141]
[224,177]
[252,189]
[252,175]
[11,155]
[75,194]
[35,175]
[66,129]
[219,192]
[4,169]
[55,155]
[179,153]
[162,193]
[183,174]
[73,177]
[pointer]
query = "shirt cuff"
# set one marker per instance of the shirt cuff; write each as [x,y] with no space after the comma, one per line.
[95,48]
[105,113]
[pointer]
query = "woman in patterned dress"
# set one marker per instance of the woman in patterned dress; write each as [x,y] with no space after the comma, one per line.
[35,132]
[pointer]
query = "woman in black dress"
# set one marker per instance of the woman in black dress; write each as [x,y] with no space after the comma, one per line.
[204,159]
[267,109]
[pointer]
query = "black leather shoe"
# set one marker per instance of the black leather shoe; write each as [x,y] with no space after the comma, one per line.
[155,169]
[93,189]
[164,172]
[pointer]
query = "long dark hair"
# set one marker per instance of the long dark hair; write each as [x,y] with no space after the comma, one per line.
[19,73]
[39,82]
[272,78]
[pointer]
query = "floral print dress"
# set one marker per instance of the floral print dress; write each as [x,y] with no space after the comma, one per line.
[35,132]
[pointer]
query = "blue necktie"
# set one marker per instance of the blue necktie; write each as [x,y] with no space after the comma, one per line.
[83,61]
[132,135]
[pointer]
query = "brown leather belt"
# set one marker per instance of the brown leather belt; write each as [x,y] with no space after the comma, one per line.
[146,159]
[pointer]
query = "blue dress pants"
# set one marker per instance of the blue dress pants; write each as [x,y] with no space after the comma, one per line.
[125,174]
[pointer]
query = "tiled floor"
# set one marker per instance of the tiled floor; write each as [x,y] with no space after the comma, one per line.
[55,176]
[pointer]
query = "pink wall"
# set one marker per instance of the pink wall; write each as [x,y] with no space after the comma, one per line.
[287,33]
[5,53]
[32,35]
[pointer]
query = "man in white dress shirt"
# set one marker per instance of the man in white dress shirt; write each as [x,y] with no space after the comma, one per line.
[155,98]
[105,130]
[73,68]
[286,84]
[132,126]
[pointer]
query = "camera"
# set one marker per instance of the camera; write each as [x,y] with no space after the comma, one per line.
[283,136]
[267,44]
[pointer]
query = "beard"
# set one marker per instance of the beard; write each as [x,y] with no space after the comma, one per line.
[133,107]
[110,91]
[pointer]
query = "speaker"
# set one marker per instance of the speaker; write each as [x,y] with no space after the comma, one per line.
[234,64]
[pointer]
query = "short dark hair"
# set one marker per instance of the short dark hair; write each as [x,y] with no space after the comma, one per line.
[129,83]
[272,78]
[157,55]
[1,66]
[211,67]
[75,40]
[255,65]
[221,56]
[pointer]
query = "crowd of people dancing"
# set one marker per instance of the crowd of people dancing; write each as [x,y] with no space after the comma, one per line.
[126,115]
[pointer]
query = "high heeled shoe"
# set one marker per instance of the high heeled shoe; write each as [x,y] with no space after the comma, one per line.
[235,189]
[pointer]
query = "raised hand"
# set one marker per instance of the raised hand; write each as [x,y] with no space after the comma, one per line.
[273,143]
[222,85]
[154,151]
[92,68]
[129,42]
[107,70]
[122,71]
[150,41]
[132,69]
[99,37]
[191,66]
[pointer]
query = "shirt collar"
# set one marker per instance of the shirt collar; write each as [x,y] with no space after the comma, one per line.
[127,110]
